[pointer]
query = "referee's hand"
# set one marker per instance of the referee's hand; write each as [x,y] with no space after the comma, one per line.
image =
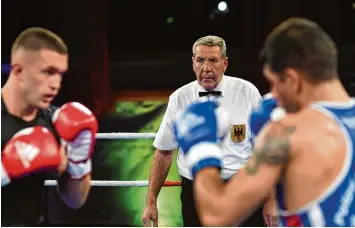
[150,213]
[270,214]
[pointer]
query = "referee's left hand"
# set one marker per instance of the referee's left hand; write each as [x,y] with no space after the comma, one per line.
[270,213]
[150,214]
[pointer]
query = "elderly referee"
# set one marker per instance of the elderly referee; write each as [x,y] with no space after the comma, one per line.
[209,61]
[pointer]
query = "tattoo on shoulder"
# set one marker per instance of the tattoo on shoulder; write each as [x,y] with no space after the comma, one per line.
[275,148]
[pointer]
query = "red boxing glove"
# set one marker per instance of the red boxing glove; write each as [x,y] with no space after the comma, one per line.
[77,126]
[30,150]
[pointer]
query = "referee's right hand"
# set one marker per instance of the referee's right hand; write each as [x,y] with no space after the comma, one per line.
[150,213]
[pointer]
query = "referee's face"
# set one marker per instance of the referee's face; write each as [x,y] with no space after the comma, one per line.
[209,65]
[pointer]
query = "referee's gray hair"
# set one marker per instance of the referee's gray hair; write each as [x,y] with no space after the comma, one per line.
[211,41]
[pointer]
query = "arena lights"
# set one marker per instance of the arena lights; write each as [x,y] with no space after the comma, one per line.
[169,20]
[222,9]
[222,6]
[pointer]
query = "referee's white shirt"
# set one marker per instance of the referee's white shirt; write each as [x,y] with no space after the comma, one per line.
[238,97]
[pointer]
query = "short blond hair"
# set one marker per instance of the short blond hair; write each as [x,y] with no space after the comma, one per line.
[211,41]
[37,38]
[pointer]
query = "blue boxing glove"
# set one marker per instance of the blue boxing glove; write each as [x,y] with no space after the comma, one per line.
[198,130]
[266,111]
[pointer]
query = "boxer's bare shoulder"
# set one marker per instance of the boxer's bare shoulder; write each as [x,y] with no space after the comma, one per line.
[307,134]
[314,129]
[317,151]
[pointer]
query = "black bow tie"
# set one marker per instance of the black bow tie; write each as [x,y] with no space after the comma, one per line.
[214,93]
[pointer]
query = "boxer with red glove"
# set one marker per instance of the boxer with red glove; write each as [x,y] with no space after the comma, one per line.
[30,150]
[77,126]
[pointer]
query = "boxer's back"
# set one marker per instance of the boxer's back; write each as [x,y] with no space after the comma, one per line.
[318,188]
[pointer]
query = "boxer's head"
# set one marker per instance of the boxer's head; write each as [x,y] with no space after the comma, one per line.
[39,58]
[298,56]
[209,61]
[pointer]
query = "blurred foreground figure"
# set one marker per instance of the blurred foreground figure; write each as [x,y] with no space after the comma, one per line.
[307,154]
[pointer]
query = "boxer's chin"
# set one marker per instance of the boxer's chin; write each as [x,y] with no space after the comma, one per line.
[44,104]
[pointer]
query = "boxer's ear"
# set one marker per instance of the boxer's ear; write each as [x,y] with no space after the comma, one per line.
[292,78]
[16,70]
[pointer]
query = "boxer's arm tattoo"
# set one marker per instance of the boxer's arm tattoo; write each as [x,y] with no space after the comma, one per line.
[275,148]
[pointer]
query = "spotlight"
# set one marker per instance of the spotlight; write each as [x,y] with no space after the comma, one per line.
[222,6]
[169,20]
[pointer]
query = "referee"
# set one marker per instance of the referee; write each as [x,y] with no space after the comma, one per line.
[237,96]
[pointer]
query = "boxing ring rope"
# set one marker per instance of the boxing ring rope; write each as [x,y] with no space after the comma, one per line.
[114,183]
[110,183]
[125,135]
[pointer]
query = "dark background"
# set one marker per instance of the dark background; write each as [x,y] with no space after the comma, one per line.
[128,45]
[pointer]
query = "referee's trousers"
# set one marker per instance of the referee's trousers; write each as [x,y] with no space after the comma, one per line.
[189,213]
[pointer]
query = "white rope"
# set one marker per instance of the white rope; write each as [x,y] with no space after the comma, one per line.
[107,183]
[125,135]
